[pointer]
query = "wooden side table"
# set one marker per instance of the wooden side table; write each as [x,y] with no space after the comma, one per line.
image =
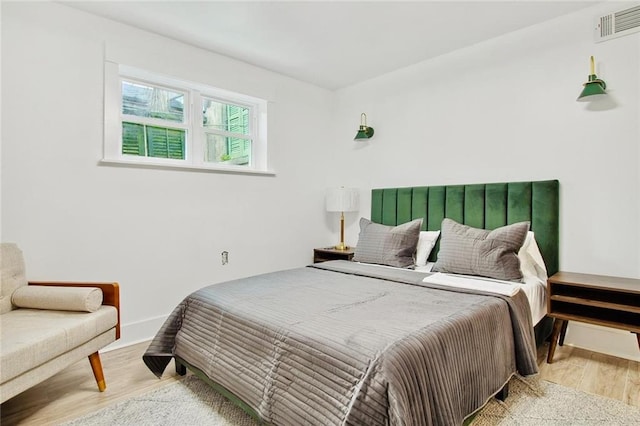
[594,299]
[330,253]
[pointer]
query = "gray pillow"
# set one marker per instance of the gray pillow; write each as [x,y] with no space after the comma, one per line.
[387,245]
[473,251]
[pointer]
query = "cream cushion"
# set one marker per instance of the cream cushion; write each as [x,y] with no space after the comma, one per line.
[86,299]
[13,274]
[31,337]
[14,386]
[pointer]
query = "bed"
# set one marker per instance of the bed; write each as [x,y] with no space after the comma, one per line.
[355,343]
[487,206]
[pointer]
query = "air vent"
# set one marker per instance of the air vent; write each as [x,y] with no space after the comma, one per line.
[618,24]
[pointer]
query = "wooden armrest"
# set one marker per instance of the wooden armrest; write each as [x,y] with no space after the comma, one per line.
[110,293]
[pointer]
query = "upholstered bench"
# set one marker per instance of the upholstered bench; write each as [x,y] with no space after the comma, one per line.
[47,326]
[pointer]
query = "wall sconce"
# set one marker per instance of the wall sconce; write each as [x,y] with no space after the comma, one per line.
[594,88]
[342,200]
[364,132]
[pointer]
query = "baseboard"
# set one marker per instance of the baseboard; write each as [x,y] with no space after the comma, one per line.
[137,332]
[610,341]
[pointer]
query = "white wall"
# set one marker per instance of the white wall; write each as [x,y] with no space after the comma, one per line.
[159,233]
[505,110]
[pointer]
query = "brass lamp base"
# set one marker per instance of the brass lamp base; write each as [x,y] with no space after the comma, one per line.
[342,247]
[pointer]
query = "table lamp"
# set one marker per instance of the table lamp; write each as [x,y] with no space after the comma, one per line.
[342,200]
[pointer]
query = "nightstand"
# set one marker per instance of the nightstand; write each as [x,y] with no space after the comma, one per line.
[594,299]
[330,253]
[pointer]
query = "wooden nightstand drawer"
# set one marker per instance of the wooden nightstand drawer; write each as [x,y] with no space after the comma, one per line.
[329,253]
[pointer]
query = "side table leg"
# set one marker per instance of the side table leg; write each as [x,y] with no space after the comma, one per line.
[563,331]
[557,327]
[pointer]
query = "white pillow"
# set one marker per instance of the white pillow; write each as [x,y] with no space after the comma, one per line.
[531,263]
[426,243]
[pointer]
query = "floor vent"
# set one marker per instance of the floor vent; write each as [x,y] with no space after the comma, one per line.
[618,24]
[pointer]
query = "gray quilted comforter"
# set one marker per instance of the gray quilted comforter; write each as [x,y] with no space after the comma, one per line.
[344,343]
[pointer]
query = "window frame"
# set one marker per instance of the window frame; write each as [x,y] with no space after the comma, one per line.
[157,122]
[195,138]
[201,135]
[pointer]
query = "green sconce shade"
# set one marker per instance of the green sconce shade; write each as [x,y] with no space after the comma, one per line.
[594,88]
[365,132]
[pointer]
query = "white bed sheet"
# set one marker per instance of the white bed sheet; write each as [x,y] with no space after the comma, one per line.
[536,292]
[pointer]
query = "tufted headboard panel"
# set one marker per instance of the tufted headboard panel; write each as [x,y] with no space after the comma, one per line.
[487,206]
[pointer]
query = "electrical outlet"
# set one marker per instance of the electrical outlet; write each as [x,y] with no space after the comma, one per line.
[225,257]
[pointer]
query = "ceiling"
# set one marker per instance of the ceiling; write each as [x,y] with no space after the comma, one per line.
[331,44]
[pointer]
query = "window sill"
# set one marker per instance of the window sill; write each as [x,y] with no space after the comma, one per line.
[232,169]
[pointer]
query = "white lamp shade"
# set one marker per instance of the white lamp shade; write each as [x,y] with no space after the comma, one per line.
[342,200]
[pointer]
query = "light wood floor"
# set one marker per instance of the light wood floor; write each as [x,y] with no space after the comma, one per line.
[592,372]
[73,392]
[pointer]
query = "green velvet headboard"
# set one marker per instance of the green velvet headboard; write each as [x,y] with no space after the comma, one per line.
[486,206]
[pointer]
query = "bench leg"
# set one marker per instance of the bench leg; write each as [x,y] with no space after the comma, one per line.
[96,366]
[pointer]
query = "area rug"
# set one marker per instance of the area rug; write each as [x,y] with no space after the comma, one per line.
[535,402]
[531,402]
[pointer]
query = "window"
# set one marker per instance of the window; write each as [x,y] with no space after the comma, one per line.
[226,132]
[155,120]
